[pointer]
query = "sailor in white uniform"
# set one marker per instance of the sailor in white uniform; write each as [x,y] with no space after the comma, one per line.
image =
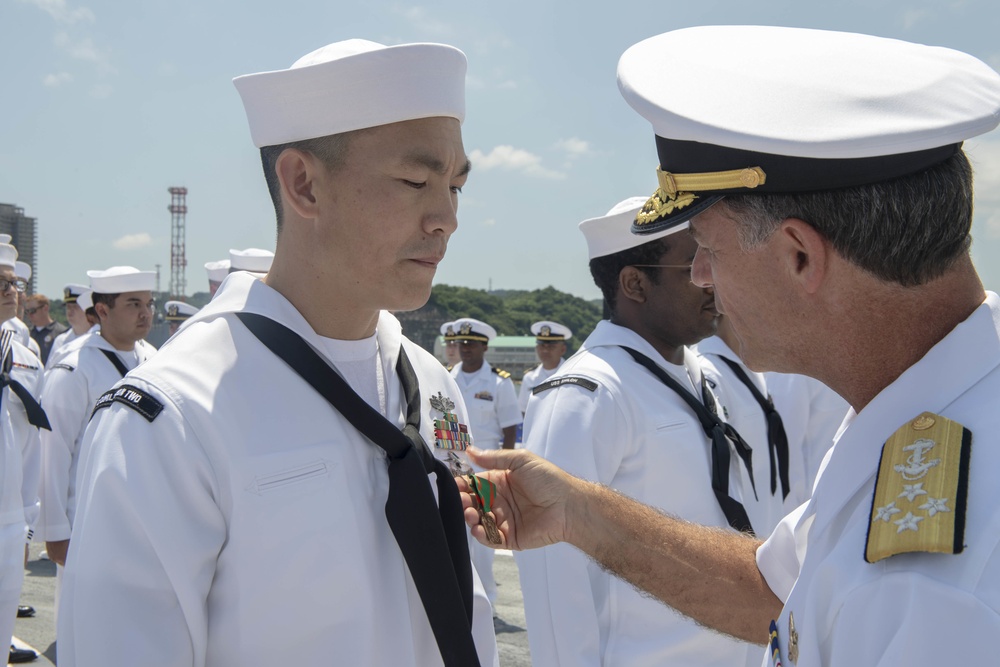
[747,404]
[291,410]
[607,418]
[86,368]
[493,413]
[20,419]
[550,347]
[217,272]
[23,272]
[75,315]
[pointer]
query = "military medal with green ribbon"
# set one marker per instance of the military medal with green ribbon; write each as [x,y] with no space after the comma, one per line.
[486,492]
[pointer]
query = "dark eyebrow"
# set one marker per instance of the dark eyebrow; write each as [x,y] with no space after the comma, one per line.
[434,164]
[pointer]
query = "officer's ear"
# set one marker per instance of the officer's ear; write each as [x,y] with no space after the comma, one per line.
[805,253]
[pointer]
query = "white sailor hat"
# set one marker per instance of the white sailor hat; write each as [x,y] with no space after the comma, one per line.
[5,238]
[448,330]
[8,256]
[72,292]
[798,110]
[178,311]
[254,260]
[467,328]
[217,271]
[86,299]
[352,85]
[612,232]
[22,270]
[119,279]
[546,332]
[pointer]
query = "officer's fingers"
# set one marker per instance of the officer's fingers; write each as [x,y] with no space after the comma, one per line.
[498,459]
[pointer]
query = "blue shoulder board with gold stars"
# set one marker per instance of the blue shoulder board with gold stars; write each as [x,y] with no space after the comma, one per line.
[920,493]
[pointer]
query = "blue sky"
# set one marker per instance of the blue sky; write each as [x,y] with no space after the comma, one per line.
[106,104]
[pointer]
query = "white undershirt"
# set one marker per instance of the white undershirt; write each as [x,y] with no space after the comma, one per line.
[130,358]
[359,363]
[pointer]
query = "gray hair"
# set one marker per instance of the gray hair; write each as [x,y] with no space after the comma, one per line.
[909,230]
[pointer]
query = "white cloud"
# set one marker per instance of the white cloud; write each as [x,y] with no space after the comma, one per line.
[83,49]
[985,158]
[510,84]
[101,91]
[133,241]
[573,146]
[509,158]
[56,80]
[489,223]
[912,17]
[62,12]
[419,18]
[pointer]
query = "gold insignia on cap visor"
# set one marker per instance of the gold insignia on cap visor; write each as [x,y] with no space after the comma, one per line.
[677,190]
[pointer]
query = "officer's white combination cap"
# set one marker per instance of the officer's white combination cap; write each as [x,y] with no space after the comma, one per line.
[352,85]
[217,271]
[120,279]
[546,330]
[447,329]
[468,328]
[72,292]
[8,256]
[612,232]
[178,311]
[255,260]
[22,270]
[797,110]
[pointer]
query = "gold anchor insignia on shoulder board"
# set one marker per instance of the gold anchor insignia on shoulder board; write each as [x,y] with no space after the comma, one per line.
[920,493]
[793,639]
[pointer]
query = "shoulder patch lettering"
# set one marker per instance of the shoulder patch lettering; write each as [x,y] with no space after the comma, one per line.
[589,385]
[133,397]
[921,489]
[65,367]
[502,373]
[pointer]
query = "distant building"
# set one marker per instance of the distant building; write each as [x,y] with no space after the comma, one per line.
[24,236]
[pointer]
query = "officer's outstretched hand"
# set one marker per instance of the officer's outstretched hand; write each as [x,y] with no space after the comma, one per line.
[532,496]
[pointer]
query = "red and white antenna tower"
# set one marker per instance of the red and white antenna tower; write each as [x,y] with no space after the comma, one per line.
[178,259]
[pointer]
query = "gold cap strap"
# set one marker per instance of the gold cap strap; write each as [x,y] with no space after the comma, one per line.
[672,184]
[677,190]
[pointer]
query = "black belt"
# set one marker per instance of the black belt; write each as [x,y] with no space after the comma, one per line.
[432,537]
[721,435]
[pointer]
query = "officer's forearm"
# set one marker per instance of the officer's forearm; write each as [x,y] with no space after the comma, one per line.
[708,574]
